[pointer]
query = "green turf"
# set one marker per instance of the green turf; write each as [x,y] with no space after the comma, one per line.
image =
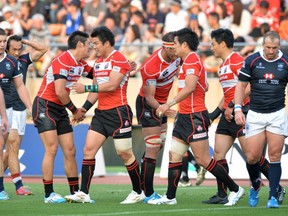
[108,198]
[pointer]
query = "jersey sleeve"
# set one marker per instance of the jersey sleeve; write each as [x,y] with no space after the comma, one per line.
[121,65]
[245,71]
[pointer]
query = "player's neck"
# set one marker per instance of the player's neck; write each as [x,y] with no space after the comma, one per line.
[226,53]
[107,53]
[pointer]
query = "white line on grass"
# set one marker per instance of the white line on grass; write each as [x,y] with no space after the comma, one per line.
[168,211]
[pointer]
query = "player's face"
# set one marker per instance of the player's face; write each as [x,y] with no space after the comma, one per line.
[271,48]
[3,42]
[98,46]
[15,48]
[171,53]
[178,47]
[216,48]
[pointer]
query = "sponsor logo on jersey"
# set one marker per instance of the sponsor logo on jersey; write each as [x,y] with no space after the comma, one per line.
[41,115]
[200,135]
[151,82]
[190,71]
[125,130]
[63,72]
[147,114]
[269,76]
[126,123]
[2,76]
[199,128]
[260,66]
[116,69]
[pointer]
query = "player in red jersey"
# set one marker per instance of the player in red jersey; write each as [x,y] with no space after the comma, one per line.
[158,72]
[191,126]
[50,115]
[113,116]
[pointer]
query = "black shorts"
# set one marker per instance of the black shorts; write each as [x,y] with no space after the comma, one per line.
[146,116]
[231,128]
[192,127]
[50,116]
[116,122]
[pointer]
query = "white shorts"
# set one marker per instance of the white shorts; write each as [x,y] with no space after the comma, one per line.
[19,121]
[275,122]
[9,112]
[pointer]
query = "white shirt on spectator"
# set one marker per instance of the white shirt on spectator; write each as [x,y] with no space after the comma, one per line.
[174,22]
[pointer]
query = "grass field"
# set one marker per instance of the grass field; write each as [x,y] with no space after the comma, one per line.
[108,198]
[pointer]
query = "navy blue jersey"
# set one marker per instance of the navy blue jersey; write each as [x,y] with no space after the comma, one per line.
[8,71]
[23,63]
[268,81]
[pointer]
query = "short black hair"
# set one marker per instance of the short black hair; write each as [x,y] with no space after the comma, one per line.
[223,35]
[188,36]
[75,37]
[168,37]
[13,38]
[104,34]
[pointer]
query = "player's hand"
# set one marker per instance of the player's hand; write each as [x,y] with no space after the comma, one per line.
[4,128]
[79,116]
[171,113]
[78,88]
[162,109]
[228,114]
[239,118]
[133,65]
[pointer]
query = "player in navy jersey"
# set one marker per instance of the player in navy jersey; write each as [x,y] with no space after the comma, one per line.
[266,120]
[9,72]
[15,48]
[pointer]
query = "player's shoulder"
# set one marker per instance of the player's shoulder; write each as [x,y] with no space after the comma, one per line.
[251,58]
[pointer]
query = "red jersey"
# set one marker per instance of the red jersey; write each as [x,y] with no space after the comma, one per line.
[228,76]
[65,65]
[196,101]
[116,62]
[156,71]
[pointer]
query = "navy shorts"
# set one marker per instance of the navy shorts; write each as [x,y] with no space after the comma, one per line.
[146,116]
[50,116]
[116,122]
[192,127]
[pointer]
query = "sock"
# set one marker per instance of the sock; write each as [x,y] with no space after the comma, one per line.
[222,188]
[73,184]
[275,172]
[1,183]
[17,180]
[48,187]
[134,173]
[142,171]
[174,173]
[219,172]
[264,167]
[254,170]
[192,160]
[149,165]
[88,167]
[185,166]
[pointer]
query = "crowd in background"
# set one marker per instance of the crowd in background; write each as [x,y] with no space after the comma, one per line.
[138,25]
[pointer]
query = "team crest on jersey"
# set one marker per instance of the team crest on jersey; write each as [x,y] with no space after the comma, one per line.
[106,65]
[2,76]
[280,66]
[103,66]
[199,128]
[147,114]
[8,65]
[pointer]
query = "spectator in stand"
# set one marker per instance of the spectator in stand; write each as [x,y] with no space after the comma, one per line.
[14,4]
[194,9]
[241,17]
[135,5]
[94,13]
[213,24]
[114,7]
[263,15]
[137,18]
[13,20]
[283,29]
[110,23]
[6,27]
[131,48]
[225,20]
[177,18]
[38,7]
[154,17]
[24,17]
[124,19]
[73,20]
[194,25]
[153,42]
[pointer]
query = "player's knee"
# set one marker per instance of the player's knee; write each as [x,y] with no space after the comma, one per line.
[153,141]
[124,149]
[177,150]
